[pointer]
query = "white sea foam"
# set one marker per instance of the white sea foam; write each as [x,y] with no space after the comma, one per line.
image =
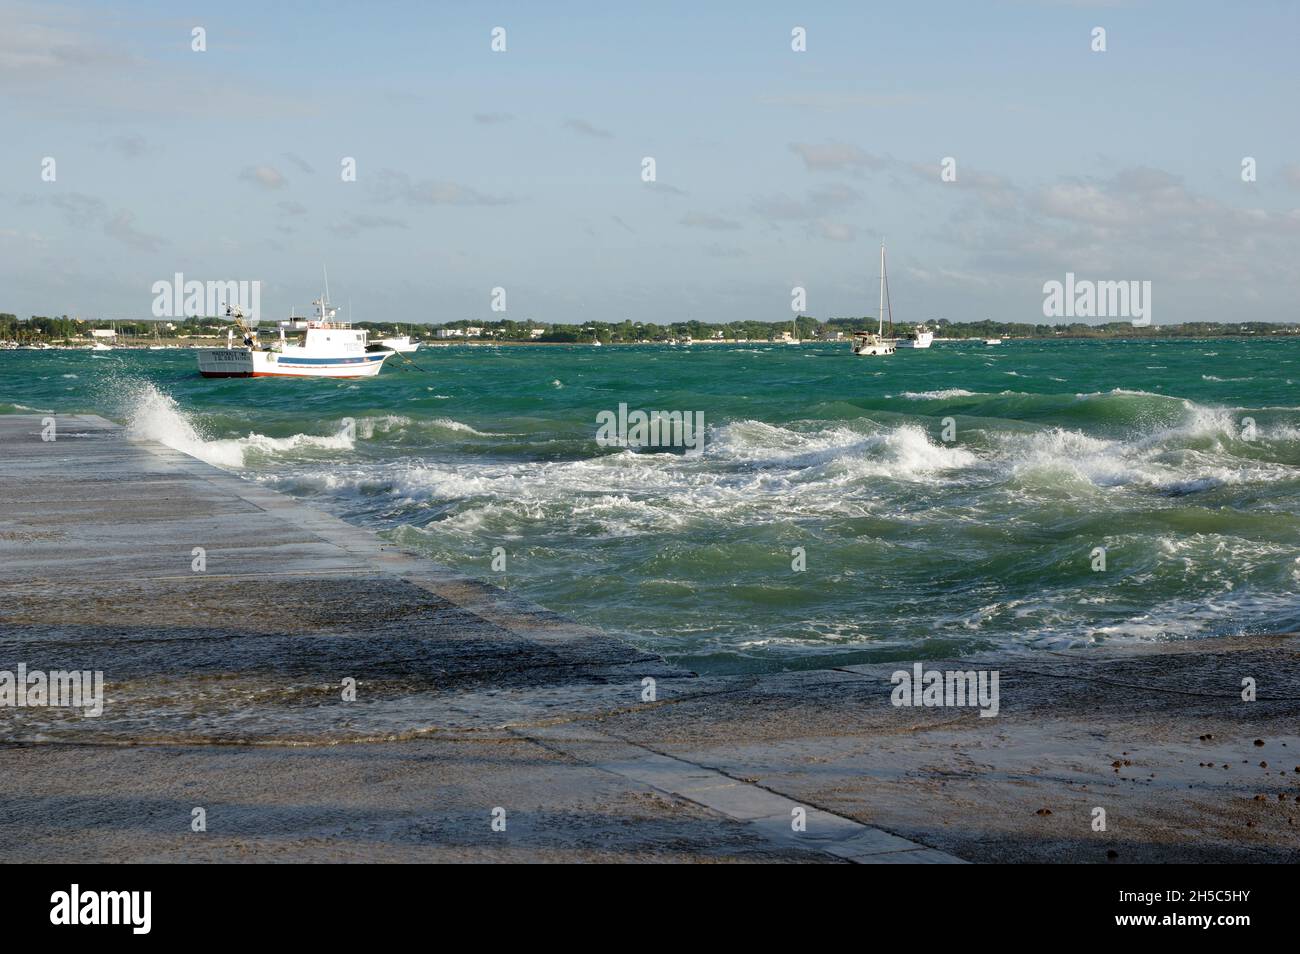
[154,415]
[940,395]
[1192,454]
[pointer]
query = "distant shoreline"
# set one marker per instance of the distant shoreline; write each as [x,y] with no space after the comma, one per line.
[189,344]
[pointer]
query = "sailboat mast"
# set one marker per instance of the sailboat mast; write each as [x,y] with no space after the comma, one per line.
[880,315]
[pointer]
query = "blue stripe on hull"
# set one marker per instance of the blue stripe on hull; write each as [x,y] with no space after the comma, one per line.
[320,362]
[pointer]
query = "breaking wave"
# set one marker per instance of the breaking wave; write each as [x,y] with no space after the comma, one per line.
[151,414]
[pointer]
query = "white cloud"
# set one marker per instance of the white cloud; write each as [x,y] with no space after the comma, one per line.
[391,185]
[121,227]
[268,177]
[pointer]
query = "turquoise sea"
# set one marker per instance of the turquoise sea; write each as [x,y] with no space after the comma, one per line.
[1180,457]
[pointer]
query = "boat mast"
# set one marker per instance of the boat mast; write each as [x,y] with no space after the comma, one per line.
[889,304]
[880,315]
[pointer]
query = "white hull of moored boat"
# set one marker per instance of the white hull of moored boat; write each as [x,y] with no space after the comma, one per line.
[876,348]
[246,363]
[402,344]
[919,339]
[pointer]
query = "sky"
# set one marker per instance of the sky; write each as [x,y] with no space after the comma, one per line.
[774,168]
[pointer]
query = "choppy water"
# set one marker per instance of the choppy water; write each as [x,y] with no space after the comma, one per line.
[914,546]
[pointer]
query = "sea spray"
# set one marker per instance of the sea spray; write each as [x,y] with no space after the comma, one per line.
[152,414]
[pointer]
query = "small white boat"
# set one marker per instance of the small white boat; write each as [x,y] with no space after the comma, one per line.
[868,343]
[992,341]
[328,348]
[920,337]
[100,346]
[402,344]
[875,344]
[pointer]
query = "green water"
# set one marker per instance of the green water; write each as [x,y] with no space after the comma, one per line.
[914,545]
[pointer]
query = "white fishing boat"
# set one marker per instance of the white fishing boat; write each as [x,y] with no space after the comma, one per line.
[327,348]
[993,341]
[875,344]
[919,337]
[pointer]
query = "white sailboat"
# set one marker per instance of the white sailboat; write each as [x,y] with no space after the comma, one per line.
[875,344]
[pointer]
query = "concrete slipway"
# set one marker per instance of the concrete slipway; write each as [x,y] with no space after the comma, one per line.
[223,693]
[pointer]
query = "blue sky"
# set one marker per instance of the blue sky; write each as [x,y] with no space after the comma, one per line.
[775,168]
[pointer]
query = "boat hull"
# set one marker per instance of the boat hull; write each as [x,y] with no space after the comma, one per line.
[404,345]
[245,363]
[872,346]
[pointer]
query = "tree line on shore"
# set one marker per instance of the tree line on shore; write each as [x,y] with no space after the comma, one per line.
[63,328]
